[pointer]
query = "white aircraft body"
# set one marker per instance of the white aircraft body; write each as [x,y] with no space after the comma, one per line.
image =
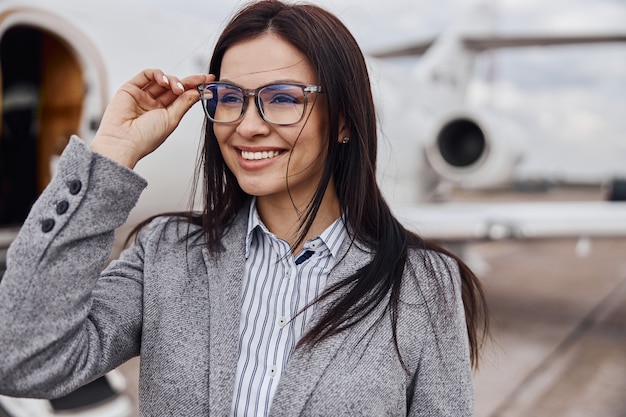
[62,60]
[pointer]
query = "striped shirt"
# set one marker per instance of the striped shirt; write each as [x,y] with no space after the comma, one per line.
[276,286]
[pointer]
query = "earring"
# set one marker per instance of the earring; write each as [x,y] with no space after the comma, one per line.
[345,140]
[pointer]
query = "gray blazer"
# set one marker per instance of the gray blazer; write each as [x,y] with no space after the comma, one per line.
[63,322]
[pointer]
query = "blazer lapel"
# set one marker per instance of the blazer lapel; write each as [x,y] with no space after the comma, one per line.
[225,278]
[306,366]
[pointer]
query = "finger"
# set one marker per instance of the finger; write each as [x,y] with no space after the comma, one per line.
[148,77]
[167,97]
[158,85]
[182,104]
[162,84]
[192,81]
[174,84]
[188,83]
[152,77]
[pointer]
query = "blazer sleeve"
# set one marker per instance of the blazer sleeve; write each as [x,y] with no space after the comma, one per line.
[57,329]
[442,385]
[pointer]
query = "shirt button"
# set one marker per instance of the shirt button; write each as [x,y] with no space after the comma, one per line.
[75,186]
[282,321]
[287,272]
[62,207]
[272,371]
[47,225]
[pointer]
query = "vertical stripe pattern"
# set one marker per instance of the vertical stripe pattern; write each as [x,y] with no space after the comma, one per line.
[276,286]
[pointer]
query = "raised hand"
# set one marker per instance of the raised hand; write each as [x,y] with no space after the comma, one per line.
[143,113]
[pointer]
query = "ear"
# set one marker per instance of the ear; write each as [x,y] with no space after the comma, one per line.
[344,131]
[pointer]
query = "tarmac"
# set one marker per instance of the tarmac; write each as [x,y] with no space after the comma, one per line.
[558,337]
[557,345]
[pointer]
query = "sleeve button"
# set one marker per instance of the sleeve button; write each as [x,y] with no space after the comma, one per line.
[75,186]
[47,225]
[62,207]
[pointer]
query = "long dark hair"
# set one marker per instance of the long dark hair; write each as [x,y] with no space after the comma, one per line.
[342,71]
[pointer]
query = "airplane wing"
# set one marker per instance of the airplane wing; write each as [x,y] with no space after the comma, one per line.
[414,49]
[474,221]
[478,43]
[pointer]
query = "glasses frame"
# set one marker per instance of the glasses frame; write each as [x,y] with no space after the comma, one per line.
[254,92]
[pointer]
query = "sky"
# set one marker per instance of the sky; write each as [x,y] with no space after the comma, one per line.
[565,98]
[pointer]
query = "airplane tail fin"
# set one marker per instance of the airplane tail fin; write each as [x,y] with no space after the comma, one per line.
[446,68]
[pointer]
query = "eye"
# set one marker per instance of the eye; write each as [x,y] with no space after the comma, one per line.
[284,98]
[282,94]
[230,98]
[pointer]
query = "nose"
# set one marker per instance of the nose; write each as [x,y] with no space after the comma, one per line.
[252,124]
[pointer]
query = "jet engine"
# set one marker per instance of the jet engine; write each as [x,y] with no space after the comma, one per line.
[474,149]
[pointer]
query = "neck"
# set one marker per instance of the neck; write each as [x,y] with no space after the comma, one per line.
[283,218]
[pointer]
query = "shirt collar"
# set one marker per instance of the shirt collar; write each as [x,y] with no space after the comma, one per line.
[254,221]
[332,237]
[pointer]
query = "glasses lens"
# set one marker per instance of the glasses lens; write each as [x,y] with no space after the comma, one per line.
[282,104]
[223,102]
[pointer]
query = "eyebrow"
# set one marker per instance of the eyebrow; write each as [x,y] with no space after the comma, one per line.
[282,81]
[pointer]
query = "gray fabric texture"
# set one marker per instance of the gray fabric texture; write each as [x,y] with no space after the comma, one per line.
[64,321]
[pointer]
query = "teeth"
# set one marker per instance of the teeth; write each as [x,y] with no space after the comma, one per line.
[259,155]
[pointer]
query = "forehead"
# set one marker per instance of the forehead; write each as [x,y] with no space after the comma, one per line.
[265,59]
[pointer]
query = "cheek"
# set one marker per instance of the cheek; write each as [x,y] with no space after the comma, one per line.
[222,133]
[317,137]
[311,150]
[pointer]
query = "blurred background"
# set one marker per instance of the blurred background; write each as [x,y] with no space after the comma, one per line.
[555,115]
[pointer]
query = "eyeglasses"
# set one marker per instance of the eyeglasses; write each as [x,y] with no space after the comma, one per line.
[279,104]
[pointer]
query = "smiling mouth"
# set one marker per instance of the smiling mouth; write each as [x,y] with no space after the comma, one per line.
[257,156]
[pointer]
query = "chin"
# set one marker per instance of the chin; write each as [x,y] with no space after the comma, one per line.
[258,190]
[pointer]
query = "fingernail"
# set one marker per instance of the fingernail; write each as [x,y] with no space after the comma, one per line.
[179,85]
[166,80]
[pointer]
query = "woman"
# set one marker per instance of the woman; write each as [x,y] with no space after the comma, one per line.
[294,292]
